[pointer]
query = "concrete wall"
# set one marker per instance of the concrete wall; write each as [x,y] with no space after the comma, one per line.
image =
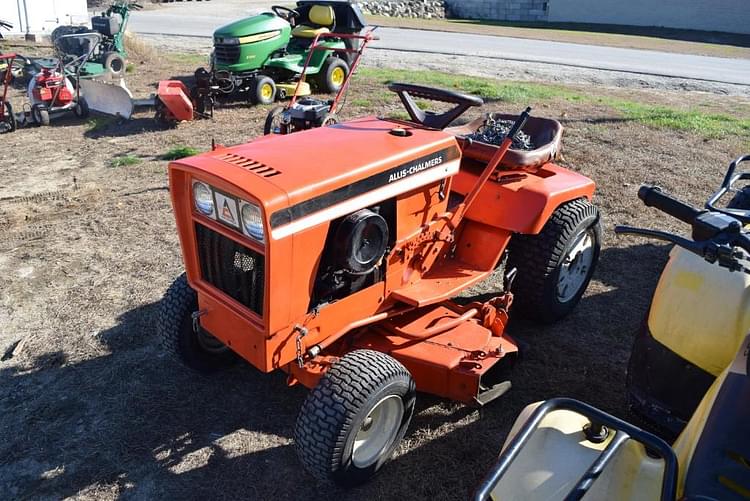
[500,10]
[732,16]
[43,15]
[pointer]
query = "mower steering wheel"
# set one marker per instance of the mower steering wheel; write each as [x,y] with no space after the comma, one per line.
[407,93]
[285,12]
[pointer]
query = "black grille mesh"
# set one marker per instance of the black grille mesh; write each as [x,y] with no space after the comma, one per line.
[227,54]
[232,268]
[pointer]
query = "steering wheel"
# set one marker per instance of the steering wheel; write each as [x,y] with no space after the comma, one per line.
[407,93]
[285,13]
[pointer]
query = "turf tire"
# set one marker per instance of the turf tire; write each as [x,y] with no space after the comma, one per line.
[741,199]
[175,328]
[10,118]
[114,63]
[257,95]
[539,259]
[81,109]
[325,79]
[336,409]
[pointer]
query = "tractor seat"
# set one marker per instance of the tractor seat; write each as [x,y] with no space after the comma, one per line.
[321,20]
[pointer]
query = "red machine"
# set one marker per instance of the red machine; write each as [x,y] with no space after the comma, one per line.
[7,118]
[173,102]
[50,88]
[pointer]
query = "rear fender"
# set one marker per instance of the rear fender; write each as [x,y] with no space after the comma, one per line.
[520,201]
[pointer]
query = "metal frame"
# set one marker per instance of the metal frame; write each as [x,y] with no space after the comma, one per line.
[625,432]
[6,79]
[366,39]
[726,185]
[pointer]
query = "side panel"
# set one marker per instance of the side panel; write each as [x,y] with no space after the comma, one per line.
[519,201]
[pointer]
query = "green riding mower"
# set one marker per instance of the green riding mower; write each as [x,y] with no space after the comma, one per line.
[263,56]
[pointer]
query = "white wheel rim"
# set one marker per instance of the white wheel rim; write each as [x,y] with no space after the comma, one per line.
[377,431]
[575,266]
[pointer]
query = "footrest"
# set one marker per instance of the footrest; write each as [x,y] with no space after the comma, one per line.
[441,283]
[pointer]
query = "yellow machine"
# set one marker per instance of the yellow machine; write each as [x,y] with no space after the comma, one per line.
[566,449]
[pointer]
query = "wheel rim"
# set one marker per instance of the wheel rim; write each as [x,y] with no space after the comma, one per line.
[266,91]
[338,75]
[575,266]
[377,431]
[116,65]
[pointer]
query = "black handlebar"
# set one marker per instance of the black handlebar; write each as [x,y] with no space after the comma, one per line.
[407,93]
[653,196]
[726,186]
[520,122]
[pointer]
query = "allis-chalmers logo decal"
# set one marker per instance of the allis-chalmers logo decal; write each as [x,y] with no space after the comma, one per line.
[226,212]
[415,168]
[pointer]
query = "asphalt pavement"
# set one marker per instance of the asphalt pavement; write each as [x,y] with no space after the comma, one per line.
[200,20]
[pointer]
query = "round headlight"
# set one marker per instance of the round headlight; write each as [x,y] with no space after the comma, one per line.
[204,200]
[252,221]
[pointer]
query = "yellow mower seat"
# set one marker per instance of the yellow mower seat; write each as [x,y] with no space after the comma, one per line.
[321,19]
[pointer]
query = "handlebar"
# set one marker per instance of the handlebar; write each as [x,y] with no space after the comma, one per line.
[726,185]
[407,93]
[715,237]
[653,196]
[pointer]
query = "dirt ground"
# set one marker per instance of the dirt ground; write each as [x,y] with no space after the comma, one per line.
[92,408]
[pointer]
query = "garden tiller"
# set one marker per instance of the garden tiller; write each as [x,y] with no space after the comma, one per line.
[7,118]
[334,253]
[306,113]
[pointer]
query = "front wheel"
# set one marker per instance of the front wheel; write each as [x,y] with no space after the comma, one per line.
[39,114]
[263,90]
[555,266]
[198,350]
[114,63]
[81,109]
[353,420]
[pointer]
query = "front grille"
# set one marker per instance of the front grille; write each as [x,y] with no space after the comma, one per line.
[232,268]
[227,54]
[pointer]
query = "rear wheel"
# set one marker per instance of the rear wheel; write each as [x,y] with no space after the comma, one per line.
[353,420]
[332,75]
[741,199]
[198,350]
[263,90]
[555,266]
[10,118]
[115,64]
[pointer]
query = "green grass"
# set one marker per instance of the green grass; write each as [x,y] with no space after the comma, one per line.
[98,123]
[130,68]
[124,161]
[487,88]
[188,58]
[708,125]
[180,152]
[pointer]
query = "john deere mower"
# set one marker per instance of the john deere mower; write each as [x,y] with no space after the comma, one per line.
[263,56]
[333,253]
[566,449]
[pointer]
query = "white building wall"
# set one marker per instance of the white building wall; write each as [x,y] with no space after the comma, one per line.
[43,16]
[731,16]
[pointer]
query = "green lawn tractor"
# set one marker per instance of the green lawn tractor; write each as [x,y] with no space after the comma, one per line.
[263,56]
[108,60]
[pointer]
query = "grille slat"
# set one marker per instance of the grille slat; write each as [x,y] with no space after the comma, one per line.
[232,268]
[249,164]
[226,54]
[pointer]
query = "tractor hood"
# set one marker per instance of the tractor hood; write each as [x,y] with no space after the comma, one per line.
[307,178]
[262,23]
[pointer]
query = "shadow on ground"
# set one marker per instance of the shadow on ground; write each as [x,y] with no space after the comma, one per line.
[135,423]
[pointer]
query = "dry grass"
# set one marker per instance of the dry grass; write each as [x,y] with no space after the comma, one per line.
[92,408]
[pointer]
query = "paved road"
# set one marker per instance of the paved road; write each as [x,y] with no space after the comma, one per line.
[201,19]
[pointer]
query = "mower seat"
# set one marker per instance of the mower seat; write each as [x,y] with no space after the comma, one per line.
[321,20]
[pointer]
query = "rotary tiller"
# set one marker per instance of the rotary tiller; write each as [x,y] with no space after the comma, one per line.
[334,253]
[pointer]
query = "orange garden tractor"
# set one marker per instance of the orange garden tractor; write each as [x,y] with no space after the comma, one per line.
[334,253]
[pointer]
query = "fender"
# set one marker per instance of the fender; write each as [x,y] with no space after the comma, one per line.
[529,198]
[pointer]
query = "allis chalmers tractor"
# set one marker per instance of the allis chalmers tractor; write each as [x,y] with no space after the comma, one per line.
[566,449]
[333,254]
[264,55]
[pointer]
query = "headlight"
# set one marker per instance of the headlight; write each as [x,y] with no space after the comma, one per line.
[228,40]
[252,222]
[204,199]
